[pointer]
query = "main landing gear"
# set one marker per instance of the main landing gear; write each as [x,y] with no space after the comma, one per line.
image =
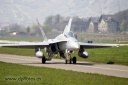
[67,56]
[43,60]
[70,61]
[47,59]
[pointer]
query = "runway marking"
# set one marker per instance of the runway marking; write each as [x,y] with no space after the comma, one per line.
[105,68]
[74,65]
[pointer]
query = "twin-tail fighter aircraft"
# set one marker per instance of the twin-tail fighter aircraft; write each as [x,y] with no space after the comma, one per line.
[64,44]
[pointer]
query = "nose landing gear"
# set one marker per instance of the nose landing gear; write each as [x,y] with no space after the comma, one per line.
[69,59]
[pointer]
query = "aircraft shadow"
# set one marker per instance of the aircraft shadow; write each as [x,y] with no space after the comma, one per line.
[45,63]
[86,64]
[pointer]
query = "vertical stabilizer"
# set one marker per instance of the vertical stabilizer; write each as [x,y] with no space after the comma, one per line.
[68,27]
[42,31]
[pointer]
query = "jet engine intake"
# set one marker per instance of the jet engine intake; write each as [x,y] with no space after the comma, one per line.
[53,48]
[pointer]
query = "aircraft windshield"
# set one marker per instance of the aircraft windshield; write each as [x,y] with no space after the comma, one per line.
[70,34]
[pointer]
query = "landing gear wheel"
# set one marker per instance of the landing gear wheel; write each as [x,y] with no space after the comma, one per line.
[70,61]
[66,61]
[74,60]
[43,60]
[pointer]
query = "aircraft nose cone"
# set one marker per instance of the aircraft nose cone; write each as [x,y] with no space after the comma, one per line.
[76,46]
[73,46]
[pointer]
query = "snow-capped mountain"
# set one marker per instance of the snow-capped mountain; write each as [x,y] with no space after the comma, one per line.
[26,11]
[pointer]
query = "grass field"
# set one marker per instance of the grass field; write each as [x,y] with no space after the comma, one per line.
[13,74]
[102,37]
[114,55]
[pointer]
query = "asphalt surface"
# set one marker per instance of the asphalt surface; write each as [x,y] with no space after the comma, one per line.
[87,67]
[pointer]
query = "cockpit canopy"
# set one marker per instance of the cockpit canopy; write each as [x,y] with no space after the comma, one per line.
[70,34]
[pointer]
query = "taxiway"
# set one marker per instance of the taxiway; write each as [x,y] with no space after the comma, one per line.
[87,67]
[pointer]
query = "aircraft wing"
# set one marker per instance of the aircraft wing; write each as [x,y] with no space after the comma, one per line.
[25,44]
[91,45]
[31,44]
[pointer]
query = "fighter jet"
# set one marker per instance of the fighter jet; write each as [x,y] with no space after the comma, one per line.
[64,44]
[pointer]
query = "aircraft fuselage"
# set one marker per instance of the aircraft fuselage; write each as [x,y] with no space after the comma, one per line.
[71,44]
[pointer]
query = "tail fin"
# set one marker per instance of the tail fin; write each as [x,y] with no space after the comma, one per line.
[68,27]
[42,31]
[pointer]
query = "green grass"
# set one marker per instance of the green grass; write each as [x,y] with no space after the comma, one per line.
[17,51]
[21,38]
[114,55]
[49,76]
[102,38]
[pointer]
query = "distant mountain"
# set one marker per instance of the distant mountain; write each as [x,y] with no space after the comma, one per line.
[25,11]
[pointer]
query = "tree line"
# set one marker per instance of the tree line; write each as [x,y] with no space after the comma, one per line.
[122,18]
[57,23]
